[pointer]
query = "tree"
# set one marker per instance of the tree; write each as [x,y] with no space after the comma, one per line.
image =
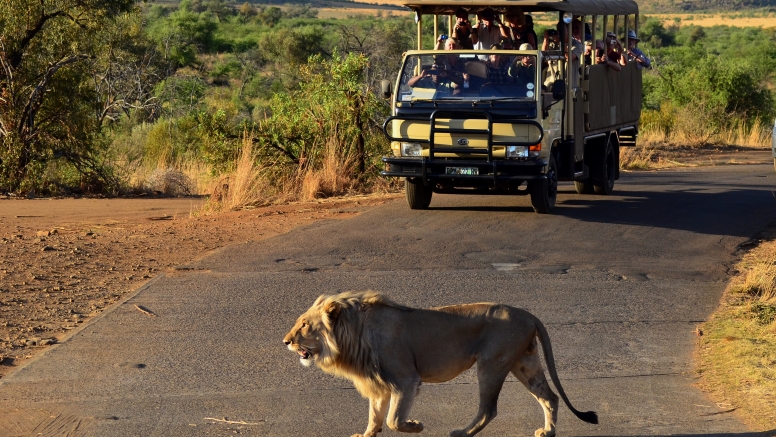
[46,107]
[247,11]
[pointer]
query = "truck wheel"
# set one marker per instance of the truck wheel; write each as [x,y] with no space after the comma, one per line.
[418,195]
[584,187]
[608,171]
[544,192]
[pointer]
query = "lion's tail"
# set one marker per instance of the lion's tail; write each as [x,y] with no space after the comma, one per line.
[544,338]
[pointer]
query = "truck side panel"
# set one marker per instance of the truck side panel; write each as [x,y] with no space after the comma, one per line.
[613,98]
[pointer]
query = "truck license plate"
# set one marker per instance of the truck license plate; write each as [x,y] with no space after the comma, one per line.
[469,171]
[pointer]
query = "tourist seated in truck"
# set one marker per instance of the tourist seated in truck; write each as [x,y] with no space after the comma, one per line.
[462,31]
[487,30]
[523,69]
[602,58]
[452,63]
[498,68]
[614,50]
[516,28]
[634,54]
[436,77]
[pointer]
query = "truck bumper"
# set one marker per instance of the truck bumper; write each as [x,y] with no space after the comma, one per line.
[491,173]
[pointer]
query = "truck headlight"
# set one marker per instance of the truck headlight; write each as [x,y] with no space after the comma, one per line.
[411,149]
[517,152]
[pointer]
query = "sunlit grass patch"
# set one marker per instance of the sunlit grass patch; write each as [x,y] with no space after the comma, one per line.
[737,351]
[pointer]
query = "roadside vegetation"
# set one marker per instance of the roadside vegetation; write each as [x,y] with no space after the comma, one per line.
[178,98]
[737,348]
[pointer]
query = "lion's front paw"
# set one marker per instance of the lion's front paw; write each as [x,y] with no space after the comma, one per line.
[411,426]
[459,433]
[541,432]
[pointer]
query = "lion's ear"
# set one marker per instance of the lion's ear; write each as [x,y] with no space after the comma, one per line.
[332,309]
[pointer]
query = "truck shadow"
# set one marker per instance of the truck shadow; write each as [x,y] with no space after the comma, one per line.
[691,205]
[771,433]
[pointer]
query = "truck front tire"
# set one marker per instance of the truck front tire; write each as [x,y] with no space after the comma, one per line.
[544,192]
[418,194]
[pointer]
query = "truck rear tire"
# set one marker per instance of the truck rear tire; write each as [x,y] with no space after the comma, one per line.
[607,172]
[418,194]
[544,192]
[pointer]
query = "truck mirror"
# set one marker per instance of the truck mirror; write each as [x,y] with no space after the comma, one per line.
[386,88]
[559,89]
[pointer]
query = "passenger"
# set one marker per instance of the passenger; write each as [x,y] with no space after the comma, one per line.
[551,40]
[452,63]
[550,69]
[498,68]
[614,49]
[437,78]
[462,30]
[530,25]
[634,54]
[486,32]
[588,52]
[523,70]
[602,58]
[517,29]
[577,50]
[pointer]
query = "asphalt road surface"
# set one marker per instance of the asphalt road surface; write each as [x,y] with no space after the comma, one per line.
[620,281]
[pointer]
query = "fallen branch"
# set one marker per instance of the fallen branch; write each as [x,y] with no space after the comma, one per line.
[234,422]
[145,310]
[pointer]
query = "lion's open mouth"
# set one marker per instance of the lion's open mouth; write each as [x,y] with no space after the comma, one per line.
[305,354]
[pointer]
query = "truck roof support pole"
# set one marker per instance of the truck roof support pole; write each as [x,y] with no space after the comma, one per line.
[436,28]
[626,31]
[636,25]
[420,30]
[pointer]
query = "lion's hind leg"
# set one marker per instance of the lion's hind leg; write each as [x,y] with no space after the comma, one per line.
[529,371]
[490,378]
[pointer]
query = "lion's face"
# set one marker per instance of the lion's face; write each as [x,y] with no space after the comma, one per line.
[307,337]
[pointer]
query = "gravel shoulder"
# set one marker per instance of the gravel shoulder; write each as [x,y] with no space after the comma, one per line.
[63,261]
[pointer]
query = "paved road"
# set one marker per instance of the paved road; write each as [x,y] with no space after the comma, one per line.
[620,281]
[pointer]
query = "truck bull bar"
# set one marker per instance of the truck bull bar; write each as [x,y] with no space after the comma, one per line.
[434,168]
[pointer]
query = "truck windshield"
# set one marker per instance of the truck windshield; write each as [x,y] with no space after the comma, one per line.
[487,75]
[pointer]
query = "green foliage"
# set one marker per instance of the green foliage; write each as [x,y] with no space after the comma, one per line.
[48,104]
[219,147]
[732,85]
[332,106]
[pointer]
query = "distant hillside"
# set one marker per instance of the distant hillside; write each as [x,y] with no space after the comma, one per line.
[704,5]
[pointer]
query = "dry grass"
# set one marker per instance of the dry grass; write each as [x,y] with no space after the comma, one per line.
[333,178]
[251,184]
[245,185]
[709,20]
[341,13]
[737,351]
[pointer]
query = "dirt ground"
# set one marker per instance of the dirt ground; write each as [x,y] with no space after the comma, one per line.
[63,261]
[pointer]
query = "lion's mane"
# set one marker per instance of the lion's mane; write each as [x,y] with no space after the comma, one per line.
[348,339]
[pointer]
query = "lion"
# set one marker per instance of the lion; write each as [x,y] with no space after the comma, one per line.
[387,350]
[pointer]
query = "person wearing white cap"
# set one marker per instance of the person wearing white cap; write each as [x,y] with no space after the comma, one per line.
[523,70]
[635,54]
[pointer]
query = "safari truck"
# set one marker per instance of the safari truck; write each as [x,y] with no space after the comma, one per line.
[562,121]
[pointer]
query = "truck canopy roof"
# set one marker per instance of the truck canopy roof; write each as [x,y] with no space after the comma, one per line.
[576,7]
